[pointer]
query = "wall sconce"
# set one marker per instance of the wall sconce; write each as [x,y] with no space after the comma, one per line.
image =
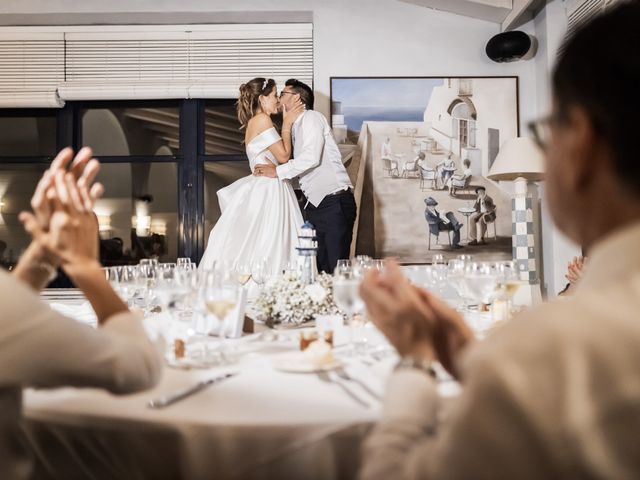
[142,225]
[104,223]
[1,205]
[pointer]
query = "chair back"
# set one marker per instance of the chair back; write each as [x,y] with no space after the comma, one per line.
[427,174]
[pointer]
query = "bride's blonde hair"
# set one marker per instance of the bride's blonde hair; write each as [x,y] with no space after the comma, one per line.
[250,92]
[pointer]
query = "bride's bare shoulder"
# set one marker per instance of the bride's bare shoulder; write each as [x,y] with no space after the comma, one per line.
[258,124]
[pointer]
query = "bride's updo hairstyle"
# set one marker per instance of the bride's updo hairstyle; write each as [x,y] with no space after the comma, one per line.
[250,92]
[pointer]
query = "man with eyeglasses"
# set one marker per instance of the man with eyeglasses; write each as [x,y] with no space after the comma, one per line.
[555,393]
[317,164]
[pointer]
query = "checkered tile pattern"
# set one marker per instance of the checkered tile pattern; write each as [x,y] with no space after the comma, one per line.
[524,248]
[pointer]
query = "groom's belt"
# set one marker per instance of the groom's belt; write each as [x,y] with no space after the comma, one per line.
[341,192]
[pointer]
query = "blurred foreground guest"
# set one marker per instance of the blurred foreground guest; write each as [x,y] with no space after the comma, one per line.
[556,392]
[42,348]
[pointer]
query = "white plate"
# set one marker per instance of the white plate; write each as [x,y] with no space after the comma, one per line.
[297,363]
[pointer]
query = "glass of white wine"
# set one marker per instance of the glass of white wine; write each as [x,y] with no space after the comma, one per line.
[242,272]
[221,292]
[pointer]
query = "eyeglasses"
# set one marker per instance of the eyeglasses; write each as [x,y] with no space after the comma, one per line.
[541,130]
[285,93]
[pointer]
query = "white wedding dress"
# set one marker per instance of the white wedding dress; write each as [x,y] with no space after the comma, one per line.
[260,217]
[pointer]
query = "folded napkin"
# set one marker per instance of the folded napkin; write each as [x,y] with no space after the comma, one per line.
[83,312]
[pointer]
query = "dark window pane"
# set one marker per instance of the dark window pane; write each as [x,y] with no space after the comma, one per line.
[138,214]
[27,136]
[132,131]
[216,176]
[17,184]
[222,130]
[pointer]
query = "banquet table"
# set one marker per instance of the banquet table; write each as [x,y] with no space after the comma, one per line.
[262,423]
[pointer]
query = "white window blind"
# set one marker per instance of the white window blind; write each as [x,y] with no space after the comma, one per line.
[31,68]
[195,61]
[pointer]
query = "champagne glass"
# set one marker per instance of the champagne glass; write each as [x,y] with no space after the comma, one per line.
[346,295]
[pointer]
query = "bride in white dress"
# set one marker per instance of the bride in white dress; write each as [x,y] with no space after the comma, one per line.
[260,218]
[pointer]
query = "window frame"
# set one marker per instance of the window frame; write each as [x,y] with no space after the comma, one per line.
[189,163]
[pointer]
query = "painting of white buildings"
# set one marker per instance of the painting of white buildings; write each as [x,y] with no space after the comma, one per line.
[425,147]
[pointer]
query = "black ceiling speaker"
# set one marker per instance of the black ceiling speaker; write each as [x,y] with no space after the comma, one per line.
[511,46]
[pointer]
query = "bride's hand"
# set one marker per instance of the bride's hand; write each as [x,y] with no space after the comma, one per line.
[290,116]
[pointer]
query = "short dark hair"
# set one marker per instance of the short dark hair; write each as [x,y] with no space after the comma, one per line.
[478,189]
[599,71]
[302,89]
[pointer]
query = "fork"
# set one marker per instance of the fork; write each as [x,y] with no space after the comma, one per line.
[343,374]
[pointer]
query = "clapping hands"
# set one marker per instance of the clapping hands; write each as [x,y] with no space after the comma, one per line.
[414,321]
[63,224]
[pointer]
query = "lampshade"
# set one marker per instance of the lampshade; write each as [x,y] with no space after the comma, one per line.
[518,157]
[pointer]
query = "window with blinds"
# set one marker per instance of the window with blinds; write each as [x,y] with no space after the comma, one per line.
[151,62]
[32,66]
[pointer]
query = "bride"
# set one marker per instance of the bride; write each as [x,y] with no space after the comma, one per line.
[260,219]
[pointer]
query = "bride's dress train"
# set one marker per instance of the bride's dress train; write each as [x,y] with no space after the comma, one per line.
[260,217]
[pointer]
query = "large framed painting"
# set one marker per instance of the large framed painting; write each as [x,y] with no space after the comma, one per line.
[425,146]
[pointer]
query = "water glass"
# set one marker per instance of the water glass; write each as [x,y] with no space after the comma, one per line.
[346,295]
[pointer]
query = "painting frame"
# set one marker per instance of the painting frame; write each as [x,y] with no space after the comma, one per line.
[371,230]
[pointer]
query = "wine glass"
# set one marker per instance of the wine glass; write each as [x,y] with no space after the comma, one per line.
[343,263]
[455,277]
[508,284]
[260,272]
[112,274]
[220,293]
[183,262]
[128,284]
[480,280]
[346,295]
[242,272]
[146,281]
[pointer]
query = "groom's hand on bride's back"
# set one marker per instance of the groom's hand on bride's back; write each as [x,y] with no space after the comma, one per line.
[265,170]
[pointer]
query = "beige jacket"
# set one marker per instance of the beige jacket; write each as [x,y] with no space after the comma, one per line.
[39,347]
[553,394]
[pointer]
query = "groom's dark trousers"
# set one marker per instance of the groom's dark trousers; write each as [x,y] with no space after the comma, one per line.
[333,220]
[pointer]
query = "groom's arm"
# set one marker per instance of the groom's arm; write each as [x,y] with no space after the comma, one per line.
[311,151]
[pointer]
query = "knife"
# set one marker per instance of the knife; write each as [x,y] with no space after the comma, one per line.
[170,399]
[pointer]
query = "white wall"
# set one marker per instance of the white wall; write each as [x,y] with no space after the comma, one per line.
[557,250]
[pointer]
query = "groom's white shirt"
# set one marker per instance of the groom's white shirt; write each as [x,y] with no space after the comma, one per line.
[316,161]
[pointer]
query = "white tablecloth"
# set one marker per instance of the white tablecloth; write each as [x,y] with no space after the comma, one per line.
[263,423]
[260,424]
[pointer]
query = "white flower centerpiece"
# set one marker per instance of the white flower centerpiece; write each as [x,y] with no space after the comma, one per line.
[285,299]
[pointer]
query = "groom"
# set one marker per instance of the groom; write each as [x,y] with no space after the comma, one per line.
[329,204]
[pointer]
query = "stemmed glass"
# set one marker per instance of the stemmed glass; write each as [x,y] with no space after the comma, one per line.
[508,284]
[220,292]
[455,277]
[146,281]
[183,263]
[481,280]
[346,295]
[112,274]
[128,283]
[242,272]
[260,272]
